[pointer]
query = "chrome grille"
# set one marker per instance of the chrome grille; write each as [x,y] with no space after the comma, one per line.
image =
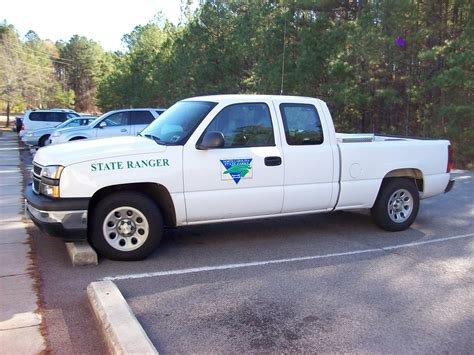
[36,185]
[37,169]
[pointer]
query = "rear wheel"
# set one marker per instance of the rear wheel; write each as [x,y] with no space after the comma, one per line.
[43,140]
[397,204]
[126,226]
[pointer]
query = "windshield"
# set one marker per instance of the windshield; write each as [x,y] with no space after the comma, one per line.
[74,122]
[98,119]
[176,124]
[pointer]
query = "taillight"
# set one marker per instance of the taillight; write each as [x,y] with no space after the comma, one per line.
[450,159]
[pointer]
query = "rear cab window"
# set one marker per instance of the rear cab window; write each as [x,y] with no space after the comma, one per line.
[302,124]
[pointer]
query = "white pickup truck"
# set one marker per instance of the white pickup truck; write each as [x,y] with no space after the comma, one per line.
[226,158]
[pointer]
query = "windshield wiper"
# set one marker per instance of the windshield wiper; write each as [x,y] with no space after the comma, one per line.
[155,138]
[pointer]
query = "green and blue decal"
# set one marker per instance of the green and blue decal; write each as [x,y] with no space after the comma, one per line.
[236,169]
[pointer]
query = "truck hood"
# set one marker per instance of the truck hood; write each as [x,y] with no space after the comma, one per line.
[85,150]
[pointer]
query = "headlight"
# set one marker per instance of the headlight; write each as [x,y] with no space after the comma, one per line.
[52,171]
[48,190]
[56,134]
[49,183]
[30,134]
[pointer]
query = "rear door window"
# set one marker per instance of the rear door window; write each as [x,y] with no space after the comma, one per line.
[302,124]
[38,116]
[52,116]
[56,116]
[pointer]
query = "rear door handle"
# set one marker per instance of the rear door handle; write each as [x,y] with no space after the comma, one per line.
[272,161]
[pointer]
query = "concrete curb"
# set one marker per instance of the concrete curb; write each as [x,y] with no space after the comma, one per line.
[122,332]
[81,254]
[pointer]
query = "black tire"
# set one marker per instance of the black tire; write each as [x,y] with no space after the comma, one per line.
[109,245]
[392,210]
[42,140]
[76,138]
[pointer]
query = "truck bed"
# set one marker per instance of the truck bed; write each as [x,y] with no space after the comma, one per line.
[370,137]
[367,158]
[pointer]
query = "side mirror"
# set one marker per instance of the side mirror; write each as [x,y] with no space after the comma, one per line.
[102,124]
[211,140]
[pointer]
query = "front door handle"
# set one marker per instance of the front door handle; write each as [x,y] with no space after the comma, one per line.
[272,161]
[123,130]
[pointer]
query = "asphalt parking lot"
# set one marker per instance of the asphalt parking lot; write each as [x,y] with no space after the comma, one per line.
[313,283]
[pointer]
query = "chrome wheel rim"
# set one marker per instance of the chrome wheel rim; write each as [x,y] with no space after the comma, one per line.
[125,228]
[400,206]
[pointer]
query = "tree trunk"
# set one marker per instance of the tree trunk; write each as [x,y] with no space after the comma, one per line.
[8,114]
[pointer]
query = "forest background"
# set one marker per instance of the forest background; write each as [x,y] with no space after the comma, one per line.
[401,67]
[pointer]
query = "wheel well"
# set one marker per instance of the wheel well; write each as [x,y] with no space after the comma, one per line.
[408,173]
[159,194]
[44,136]
[77,138]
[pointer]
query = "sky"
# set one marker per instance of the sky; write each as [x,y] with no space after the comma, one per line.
[105,21]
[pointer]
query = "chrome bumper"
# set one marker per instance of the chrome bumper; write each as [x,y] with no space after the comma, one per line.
[64,224]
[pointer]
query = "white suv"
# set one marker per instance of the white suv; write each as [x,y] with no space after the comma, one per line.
[36,119]
[128,122]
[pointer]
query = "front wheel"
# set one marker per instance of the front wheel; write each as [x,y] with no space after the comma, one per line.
[397,204]
[126,226]
[43,141]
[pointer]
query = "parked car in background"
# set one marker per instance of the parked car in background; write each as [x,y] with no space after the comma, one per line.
[36,119]
[18,123]
[127,122]
[40,137]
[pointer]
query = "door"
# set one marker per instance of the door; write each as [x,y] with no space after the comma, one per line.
[309,160]
[116,124]
[244,178]
[139,120]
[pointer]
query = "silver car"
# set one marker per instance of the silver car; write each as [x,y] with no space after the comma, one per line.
[123,122]
[40,137]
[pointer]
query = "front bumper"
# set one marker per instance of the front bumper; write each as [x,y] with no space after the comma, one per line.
[449,186]
[30,140]
[59,218]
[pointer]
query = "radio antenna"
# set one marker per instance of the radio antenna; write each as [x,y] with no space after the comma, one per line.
[283,59]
